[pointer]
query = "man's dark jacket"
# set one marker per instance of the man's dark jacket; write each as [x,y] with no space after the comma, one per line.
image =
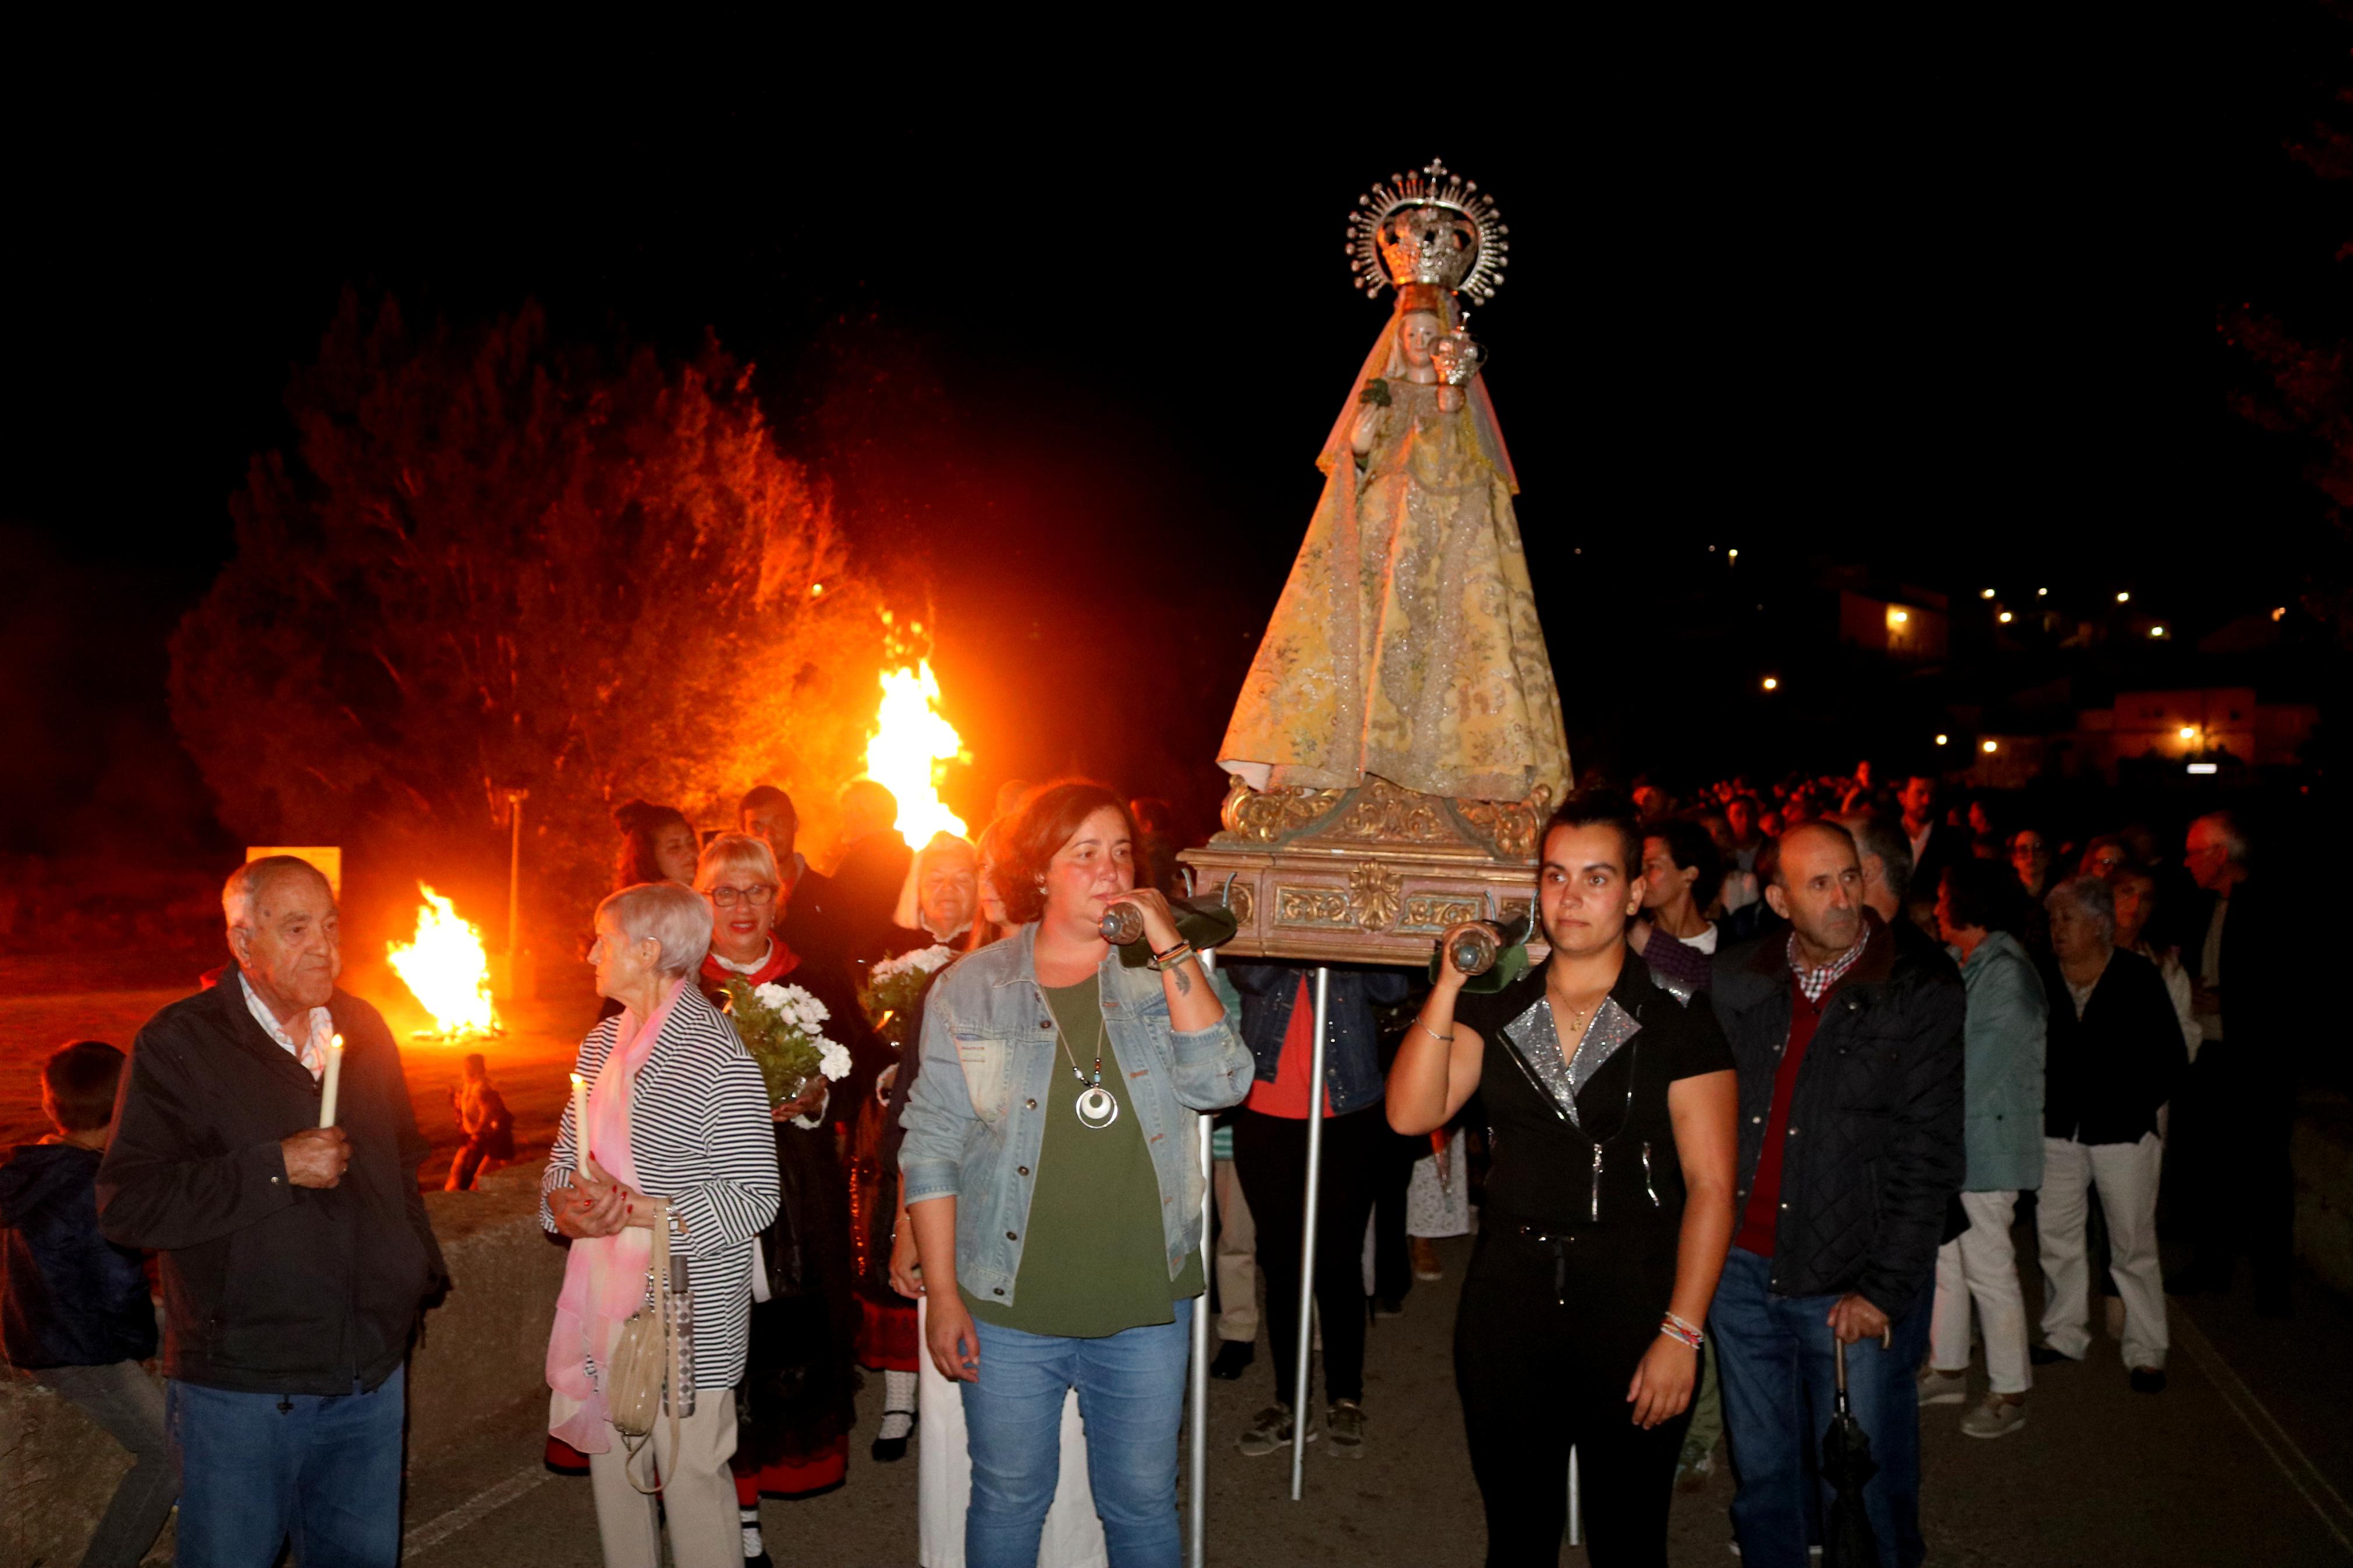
[269,1288]
[1874,1153]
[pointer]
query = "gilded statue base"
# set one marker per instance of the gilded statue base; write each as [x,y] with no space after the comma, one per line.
[1370,875]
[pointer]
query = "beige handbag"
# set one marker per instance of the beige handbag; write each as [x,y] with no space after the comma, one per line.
[647,1371]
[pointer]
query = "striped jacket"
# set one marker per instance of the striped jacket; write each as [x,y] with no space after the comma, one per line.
[702,1138]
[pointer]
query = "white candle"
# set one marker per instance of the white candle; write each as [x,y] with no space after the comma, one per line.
[580,1123]
[330,1082]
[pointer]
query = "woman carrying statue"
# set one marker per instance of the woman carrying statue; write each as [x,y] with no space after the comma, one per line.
[1050,1178]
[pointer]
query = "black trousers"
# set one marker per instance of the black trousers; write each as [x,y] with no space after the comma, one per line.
[1538,1377]
[1270,1159]
[1392,1178]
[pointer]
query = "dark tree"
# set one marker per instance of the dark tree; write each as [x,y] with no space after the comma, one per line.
[489,563]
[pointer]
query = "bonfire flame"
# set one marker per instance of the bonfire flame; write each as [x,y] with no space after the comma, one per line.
[911,745]
[447,968]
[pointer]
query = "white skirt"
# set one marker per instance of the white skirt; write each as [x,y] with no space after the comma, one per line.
[1073,1536]
[1434,1207]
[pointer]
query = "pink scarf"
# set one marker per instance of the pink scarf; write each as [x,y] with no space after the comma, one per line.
[605,1277]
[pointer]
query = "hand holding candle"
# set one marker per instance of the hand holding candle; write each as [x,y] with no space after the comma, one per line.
[581,1162]
[332,1082]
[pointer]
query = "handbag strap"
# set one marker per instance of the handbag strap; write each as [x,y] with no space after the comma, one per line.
[673,1364]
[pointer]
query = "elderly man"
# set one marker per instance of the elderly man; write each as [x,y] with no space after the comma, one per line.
[297,1257]
[1847,1033]
[2248,974]
[1887,858]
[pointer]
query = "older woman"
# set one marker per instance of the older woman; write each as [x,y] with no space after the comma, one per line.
[940,900]
[2115,1053]
[798,1394]
[1978,909]
[677,1112]
[1051,1180]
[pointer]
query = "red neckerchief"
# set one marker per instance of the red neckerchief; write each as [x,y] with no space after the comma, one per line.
[782,960]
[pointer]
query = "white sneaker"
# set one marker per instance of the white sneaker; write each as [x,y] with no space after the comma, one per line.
[1997,1418]
[1943,1387]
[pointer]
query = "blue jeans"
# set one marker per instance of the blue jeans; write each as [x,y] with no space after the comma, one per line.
[1132,1398]
[325,1471]
[1778,1382]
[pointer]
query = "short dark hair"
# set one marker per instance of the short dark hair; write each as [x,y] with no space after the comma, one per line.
[1048,818]
[1691,848]
[1985,893]
[767,797]
[1601,808]
[78,1083]
[1875,835]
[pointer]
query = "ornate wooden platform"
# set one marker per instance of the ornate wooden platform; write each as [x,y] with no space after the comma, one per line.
[1368,875]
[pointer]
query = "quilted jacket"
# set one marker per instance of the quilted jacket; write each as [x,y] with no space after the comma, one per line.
[1875,1149]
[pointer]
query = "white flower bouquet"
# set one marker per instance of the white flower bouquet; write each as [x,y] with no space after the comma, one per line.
[783,1027]
[893,985]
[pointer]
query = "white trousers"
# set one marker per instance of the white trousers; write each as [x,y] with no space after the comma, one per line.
[2126,1175]
[1980,1267]
[1237,1259]
[698,1492]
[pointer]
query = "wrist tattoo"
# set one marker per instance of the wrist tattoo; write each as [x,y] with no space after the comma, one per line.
[1184,981]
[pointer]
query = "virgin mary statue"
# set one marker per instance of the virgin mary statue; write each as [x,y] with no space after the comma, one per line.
[1405,645]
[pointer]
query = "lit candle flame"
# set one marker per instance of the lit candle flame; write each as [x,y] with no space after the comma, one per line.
[912,743]
[447,968]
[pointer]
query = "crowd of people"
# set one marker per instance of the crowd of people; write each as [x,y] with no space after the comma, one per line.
[1760,1122]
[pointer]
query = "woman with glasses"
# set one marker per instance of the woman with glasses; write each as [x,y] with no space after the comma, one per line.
[797,1408]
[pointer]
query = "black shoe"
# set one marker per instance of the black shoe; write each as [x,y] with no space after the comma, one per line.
[1233,1359]
[2043,1355]
[2148,1380]
[1388,1306]
[2198,1280]
[762,1560]
[890,1450]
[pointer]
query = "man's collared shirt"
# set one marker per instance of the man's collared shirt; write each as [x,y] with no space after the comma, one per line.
[321,1029]
[1814,981]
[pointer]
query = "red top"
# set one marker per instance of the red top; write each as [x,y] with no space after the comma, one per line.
[1288,1095]
[781,961]
[1759,1219]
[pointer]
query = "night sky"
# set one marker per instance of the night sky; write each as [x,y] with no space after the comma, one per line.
[1944,317]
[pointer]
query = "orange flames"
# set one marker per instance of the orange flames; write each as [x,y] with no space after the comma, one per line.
[912,744]
[447,969]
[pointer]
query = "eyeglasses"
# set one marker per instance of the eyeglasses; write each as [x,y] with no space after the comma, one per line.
[728,898]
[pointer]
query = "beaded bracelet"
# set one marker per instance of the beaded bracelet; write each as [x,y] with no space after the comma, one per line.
[1682,1332]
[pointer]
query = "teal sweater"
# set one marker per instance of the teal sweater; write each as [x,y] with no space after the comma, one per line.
[2003,1041]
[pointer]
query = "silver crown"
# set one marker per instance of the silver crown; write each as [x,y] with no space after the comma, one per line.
[1431,228]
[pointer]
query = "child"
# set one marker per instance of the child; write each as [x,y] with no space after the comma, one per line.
[484,1118]
[74,1308]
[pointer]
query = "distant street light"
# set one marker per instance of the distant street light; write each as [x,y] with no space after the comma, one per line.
[1772,683]
[2124,597]
[2003,617]
[1942,739]
[2156,632]
[1985,592]
[1989,747]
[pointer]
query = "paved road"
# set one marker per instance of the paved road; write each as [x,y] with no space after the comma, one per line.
[2246,1459]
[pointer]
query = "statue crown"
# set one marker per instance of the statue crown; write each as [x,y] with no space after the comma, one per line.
[1432,229]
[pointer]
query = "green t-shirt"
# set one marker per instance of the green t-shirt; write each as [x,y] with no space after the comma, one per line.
[1095,1260]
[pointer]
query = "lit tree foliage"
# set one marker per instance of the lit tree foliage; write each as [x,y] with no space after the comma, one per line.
[493,563]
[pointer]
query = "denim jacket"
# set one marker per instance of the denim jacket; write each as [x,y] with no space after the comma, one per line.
[1352,1065]
[991,1076]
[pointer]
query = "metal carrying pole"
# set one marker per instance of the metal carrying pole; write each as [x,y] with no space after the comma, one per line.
[1197,1489]
[1307,1241]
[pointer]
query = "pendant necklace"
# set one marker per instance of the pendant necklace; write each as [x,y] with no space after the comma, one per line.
[1097,1106]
